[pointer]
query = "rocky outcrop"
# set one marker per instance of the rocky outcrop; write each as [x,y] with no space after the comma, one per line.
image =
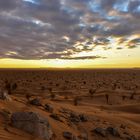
[32,123]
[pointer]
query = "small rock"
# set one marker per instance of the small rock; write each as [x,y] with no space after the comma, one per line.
[122,126]
[100,131]
[56,117]
[68,135]
[35,102]
[6,114]
[74,118]
[49,108]
[113,131]
[83,118]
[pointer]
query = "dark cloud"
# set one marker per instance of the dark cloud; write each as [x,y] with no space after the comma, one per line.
[132,46]
[9,4]
[47,29]
[108,4]
[82,57]
[135,41]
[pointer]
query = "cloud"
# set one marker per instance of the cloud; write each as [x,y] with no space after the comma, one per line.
[82,57]
[9,4]
[44,29]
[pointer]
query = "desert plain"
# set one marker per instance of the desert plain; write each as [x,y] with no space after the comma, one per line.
[57,104]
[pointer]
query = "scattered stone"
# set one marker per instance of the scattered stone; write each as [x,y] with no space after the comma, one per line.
[100,131]
[49,108]
[113,131]
[32,123]
[56,117]
[35,102]
[73,116]
[77,117]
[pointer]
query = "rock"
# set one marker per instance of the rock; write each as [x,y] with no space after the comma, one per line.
[49,108]
[35,102]
[69,135]
[113,131]
[74,118]
[56,117]
[122,126]
[100,131]
[4,95]
[32,123]
[83,118]
[6,114]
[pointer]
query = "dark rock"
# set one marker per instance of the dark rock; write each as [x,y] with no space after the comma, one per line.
[113,131]
[32,123]
[67,135]
[35,102]
[56,117]
[100,131]
[83,118]
[49,108]
[74,118]
[122,126]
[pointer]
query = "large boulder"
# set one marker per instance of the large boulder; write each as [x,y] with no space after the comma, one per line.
[32,123]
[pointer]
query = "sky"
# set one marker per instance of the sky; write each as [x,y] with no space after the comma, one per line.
[69,33]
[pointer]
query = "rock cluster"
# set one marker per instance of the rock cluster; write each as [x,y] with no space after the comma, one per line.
[73,116]
[105,131]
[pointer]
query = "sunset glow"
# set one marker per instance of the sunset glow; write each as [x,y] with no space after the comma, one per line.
[69,34]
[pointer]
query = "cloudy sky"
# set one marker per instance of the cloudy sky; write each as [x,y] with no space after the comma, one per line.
[70,33]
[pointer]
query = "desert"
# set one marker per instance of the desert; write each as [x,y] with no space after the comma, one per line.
[60,104]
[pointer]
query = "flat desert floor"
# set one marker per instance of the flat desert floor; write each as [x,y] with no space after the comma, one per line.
[100,104]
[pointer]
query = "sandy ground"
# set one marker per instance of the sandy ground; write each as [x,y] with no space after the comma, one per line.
[80,91]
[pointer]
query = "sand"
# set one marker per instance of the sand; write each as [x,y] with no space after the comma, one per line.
[70,90]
